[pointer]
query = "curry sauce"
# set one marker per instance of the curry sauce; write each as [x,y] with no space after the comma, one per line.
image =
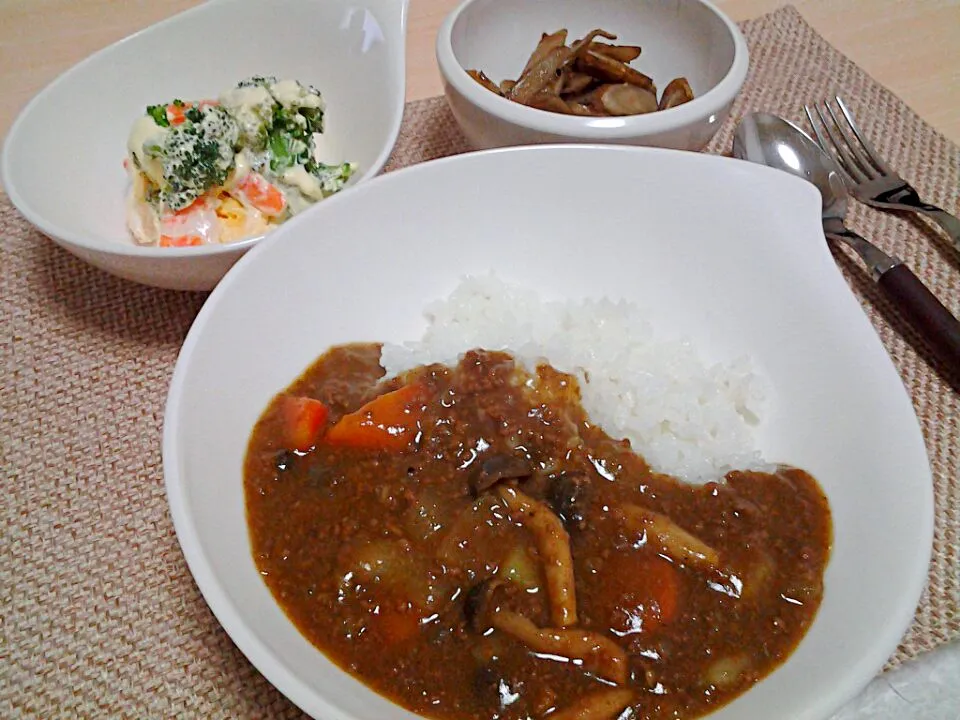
[469,545]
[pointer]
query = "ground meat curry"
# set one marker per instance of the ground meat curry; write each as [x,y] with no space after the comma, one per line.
[467,543]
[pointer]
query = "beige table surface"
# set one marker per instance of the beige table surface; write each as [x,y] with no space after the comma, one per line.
[911,46]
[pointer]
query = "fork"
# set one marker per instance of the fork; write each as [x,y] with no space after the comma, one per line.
[869,179]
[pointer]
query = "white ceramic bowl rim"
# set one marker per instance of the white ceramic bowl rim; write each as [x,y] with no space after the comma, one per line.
[710,102]
[80,240]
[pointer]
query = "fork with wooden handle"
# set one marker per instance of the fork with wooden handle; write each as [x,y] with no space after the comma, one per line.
[869,179]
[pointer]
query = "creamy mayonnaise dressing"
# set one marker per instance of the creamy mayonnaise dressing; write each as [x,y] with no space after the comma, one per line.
[306,183]
[290,93]
[146,132]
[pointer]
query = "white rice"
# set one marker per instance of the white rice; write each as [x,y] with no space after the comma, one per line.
[687,419]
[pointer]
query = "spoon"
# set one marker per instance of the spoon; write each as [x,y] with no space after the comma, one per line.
[772,141]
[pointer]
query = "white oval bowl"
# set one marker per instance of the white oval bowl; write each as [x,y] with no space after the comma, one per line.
[726,252]
[691,38]
[62,158]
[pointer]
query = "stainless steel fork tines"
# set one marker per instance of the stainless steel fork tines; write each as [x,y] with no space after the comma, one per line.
[868,177]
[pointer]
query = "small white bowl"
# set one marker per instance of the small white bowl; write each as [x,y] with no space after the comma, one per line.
[691,38]
[62,160]
[729,254]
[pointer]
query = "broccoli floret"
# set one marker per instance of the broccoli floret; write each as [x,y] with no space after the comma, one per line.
[197,156]
[291,141]
[287,150]
[278,116]
[258,81]
[159,114]
[304,104]
[253,107]
[286,115]
[314,119]
[332,177]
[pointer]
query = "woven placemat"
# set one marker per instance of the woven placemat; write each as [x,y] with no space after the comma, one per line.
[100,616]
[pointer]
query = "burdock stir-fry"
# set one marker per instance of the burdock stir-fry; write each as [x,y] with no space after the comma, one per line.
[467,543]
[588,77]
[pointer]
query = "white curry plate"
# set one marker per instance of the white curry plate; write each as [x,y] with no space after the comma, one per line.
[725,252]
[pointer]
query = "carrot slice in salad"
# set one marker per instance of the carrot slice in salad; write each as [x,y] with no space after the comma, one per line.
[177,111]
[261,194]
[180,240]
[177,114]
[195,224]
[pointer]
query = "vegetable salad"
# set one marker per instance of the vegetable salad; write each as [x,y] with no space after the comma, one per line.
[219,171]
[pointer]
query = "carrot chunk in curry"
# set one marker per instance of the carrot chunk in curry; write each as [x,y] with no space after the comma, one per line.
[449,538]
